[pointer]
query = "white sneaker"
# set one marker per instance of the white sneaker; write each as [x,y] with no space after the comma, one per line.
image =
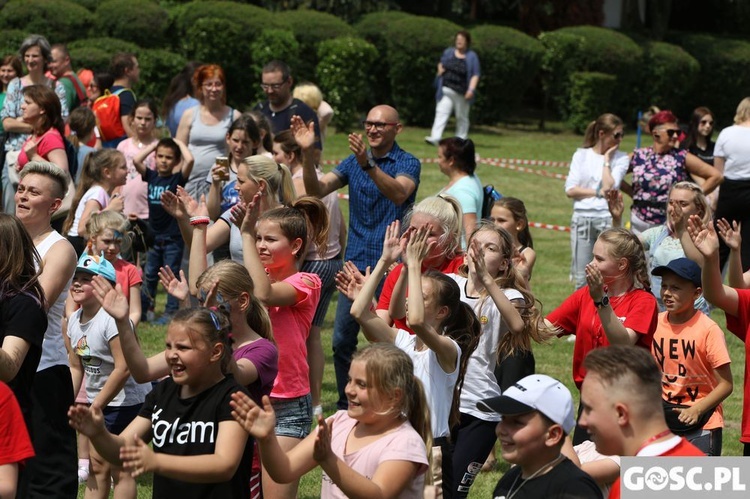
[571,338]
[432,141]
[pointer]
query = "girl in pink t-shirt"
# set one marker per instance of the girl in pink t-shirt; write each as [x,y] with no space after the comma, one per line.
[376,448]
[274,245]
[134,192]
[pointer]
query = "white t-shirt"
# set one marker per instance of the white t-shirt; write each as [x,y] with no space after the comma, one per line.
[479,380]
[438,385]
[90,341]
[733,145]
[586,171]
[95,192]
[53,346]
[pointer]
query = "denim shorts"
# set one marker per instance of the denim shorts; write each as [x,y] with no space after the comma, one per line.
[117,419]
[293,416]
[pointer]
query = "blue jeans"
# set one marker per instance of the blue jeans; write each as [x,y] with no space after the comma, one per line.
[166,252]
[345,332]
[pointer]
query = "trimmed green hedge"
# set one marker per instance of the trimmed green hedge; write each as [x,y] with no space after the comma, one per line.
[253,19]
[96,53]
[559,49]
[725,72]
[269,45]
[142,22]
[373,28]
[231,51]
[310,28]
[344,75]
[59,21]
[600,50]
[668,77]
[591,94]
[414,48]
[510,60]
[10,41]
[158,66]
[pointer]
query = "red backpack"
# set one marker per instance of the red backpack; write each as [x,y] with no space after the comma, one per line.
[107,110]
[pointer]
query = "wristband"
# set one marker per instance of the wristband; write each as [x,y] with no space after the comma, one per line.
[200,220]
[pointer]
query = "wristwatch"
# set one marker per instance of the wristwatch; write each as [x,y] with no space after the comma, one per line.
[370,162]
[603,303]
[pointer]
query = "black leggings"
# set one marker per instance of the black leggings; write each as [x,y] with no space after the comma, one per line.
[734,198]
[473,439]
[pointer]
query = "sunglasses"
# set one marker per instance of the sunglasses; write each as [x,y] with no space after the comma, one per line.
[618,135]
[672,132]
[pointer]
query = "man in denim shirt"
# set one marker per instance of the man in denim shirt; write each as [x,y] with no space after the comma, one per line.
[383,183]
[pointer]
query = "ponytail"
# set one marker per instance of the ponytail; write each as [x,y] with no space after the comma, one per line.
[306,219]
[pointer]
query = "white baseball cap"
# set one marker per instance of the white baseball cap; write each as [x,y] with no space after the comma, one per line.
[537,392]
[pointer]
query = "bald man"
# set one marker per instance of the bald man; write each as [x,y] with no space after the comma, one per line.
[383,181]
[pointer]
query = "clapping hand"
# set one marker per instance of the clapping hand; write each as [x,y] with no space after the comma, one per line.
[257,422]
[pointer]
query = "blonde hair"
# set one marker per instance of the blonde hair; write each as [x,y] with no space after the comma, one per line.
[234,279]
[388,369]
[278,177]
[743,111]
[699,199]
[531,309]
[108,219]
[91,174]
[621,243]
[51,171]
[447,211]
[309,93]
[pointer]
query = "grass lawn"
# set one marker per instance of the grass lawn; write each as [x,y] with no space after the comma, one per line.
[546,202]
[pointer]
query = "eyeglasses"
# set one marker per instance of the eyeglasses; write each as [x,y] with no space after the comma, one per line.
[379,126]
[273,86]
[618,135]
[672,132]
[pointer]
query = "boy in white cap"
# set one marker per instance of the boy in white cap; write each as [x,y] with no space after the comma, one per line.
[537,416]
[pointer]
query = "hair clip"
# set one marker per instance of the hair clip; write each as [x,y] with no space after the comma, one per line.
[215,318]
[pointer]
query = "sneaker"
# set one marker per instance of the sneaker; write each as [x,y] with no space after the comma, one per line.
[163,320]
[431,141]
[83,474]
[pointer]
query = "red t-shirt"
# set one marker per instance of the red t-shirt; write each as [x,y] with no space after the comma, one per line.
[15,444]
[684,448]
[128,275]
[49,141]
[449,267]
[577,315]
[739,326]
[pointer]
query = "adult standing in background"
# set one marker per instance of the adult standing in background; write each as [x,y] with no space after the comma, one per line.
[383,183]
[52,473]
[204,127]
[179,97]
[126,73]
[36,54]
[280,106]
[458,76]
[732,158]
[61,68]
[310,94]
[10,68]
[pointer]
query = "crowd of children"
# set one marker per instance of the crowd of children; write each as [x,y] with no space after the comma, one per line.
[228,408]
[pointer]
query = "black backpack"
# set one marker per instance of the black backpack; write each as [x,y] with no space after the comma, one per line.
[72,153]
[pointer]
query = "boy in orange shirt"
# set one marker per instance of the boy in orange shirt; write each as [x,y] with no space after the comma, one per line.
[691,350]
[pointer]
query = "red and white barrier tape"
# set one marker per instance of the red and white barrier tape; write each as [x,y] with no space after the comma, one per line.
[510,161]
[523,169]
[536,225]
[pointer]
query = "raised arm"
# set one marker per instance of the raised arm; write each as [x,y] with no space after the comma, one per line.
[187,159]
[305,137]
[443,346]
[707,243]
[732,237]
[113,302]
[138,160]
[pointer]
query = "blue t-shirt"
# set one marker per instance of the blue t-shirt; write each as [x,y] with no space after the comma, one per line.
[162,223]
[370,212]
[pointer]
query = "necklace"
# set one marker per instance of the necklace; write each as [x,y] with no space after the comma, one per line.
[543,469]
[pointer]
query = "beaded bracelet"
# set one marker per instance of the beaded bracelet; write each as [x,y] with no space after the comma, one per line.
[199,220]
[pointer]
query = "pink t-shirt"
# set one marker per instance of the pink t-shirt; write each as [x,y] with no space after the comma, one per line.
[128,275]
[135,191]
[402,444]
[291,327]
[49,141]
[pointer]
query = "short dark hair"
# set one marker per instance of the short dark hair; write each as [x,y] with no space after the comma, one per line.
[461,151]
[62,48]
[169,143]
[277,65]
[466,35]
[120,63]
